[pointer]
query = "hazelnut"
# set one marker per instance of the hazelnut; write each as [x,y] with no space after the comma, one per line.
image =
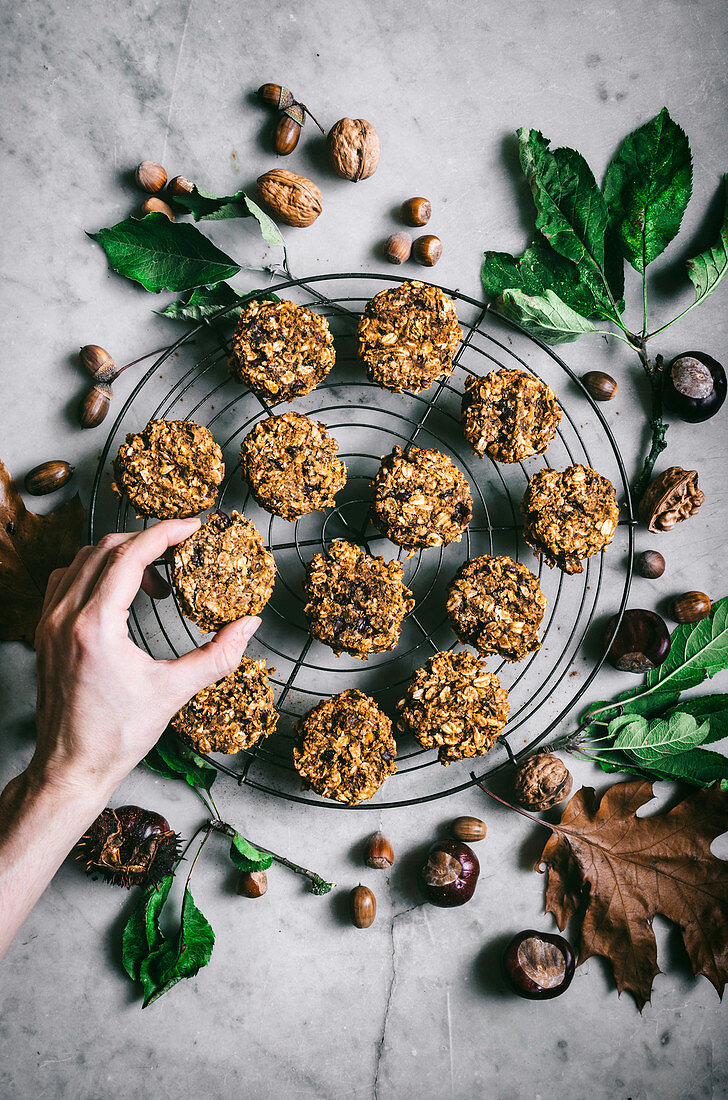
[379,852]
[650,564]
[353,149]
[397,248]
[691,607]
[416,211]
[362,906]
[151,177]
[180,185]
[600,386]
[154,205]
[542,782]
[252,884]
[48,477]
[468,829]
[293,199]
[427,250]
[95,405]
[98,362]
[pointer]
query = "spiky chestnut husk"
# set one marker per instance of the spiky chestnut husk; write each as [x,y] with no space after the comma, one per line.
[129,846]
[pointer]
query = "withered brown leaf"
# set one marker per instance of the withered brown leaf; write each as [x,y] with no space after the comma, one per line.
[31,547]
[624,869]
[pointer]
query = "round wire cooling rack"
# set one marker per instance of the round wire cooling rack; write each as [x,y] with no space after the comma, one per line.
[190,380]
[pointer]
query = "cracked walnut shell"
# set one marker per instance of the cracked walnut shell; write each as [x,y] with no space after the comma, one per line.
[293,199]
[671,498]
[542,782]
[353,149]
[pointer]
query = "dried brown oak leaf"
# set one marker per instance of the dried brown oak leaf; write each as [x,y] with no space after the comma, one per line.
[31,547]
[623,869]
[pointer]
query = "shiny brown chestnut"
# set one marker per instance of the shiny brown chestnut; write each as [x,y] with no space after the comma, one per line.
[694,386]
[48,477]
[362,906]
[449,875]
[252,884]
[650,564]
[416,211]
[641,642]
[538,965]
[690,607]
[602,387]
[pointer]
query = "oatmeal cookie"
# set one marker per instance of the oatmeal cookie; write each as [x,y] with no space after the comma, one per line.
[569,515]
[496,606]
[171,470]
[421,498]
[509,414]
[232,714]
[290,463]
[408,336]
[223,572]
[356,603]
[454,705]
[281,350]
[345,748]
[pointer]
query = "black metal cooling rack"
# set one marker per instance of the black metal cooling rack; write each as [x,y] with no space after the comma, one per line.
[190,381]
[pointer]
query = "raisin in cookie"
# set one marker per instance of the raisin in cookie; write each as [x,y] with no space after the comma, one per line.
[223,572]
[454,705]
[281,350]
[509,414]
[172,469]
[569,516]
[496,605]
[421,498]
[290,463]
[232,714]
[408,336]
[345,748]
[356,603]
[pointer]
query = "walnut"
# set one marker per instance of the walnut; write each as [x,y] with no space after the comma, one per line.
[670,498]
[293,199]
[542,782]
[353,149]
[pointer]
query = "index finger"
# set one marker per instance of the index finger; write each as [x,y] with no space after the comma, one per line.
[121,577]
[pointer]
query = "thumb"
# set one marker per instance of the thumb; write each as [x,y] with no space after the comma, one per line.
[212,661]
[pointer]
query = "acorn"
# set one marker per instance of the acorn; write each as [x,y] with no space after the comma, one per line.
[468,829]
[362,906]
[427,250]
[690,607]
[154,205]
[274,95]
[151,177]
[95,405]
[599,385]
[288,129]
[48,477]
[379,853]
[98,362]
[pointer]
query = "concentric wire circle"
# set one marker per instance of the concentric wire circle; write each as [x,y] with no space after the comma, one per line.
[191,381]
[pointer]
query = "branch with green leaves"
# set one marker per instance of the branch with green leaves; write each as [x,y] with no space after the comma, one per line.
[570,280]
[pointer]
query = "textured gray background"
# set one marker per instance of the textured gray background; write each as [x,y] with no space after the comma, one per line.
[296,1002]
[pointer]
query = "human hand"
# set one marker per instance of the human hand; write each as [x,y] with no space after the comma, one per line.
[102,702]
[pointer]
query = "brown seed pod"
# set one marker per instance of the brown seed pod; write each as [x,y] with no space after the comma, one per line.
[48,477]
[180,185]
[154,205]
[468,829]
[427,250]
[95,405]
[151,177]
[293,199]
[650,564]
[379,853]
[129,846]
[362,906]
[274,95]
[98,362]
[670,498]
[691,607]
[542,782]
[602,387]
[252,884]
[416,211]
[397,248]
[353,149]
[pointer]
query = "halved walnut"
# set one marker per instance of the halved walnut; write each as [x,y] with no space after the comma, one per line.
[671,498]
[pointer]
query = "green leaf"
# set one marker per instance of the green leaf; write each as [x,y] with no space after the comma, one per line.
[709,268]
[182,958]
[647,188]
[175,760]
[540,268]
[712,708]
[269,230]
[659,737]
[164,255]
[544,315]
[697,650]
[207,301]
[141,932]
[247,857]
[699,767]
[206,206]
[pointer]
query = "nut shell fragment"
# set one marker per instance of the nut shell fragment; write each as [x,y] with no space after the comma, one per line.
[671,498]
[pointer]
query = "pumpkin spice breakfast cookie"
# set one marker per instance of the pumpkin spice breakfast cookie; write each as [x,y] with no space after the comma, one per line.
[454,705]
[171,470]
[421,498]
[232,714]
[408,336]
[281,350]
[509,414]
[569,515]
[290,463]
[223,572]
[496,605]
[355,603]
[345,748]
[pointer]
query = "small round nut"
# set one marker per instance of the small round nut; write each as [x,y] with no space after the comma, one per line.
[97,362]
[690,607]
[48,477]
[542,782]
[95,405]
[650,564]
[180,185]
[362,906]
[379,853]
[468,829]
[151,177]
[416,211]
[252,884]
[154,205]
[397,248]
[601,386]
[353,149]
[427,250]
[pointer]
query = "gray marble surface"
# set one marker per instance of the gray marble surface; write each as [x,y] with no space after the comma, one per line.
[296,1002]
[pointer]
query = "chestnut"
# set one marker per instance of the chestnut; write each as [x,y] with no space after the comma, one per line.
[694,386]
[538,965]
[450,874]
[691,607]
[650,564]
[641,642]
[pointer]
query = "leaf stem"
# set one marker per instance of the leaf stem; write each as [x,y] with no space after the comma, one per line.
[319,883]
[644,302]
[658,427]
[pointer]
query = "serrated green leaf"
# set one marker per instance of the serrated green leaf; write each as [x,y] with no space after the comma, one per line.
[269,230]
[708,269]
[647,188]
[164,255]
[696,651]
[699,767]
[172,758]
[544,315]
[247,857]
[540,268]
[206,206]
[714,710]
[207,301]
[662,737]
[182,958]
[141,932]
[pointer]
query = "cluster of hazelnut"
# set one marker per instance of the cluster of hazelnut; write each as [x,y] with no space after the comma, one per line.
[152,178]
[427,249]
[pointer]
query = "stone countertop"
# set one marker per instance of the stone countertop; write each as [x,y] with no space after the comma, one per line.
[296,1002]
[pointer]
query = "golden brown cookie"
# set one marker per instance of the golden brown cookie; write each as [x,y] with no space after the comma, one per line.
[290,463]
[570,515]
[223,572]
[408,336]
[281,350]
[232,714]
[172,469]
[345,748]
[355,603]
[421,498]
[496,605]
[454,705]
[509,414]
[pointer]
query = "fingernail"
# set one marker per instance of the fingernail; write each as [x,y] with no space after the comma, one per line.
[249,627]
